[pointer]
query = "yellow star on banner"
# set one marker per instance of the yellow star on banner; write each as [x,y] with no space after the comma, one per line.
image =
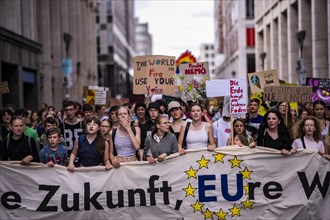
[248,204]
[191,173]
[235,211]
[202,162]
[208,214]
[221,214]
[190,190]
[235,162]
[219,157]
[246,189]
[197,206]
[246,173]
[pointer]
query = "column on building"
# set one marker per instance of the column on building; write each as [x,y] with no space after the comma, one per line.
[320,51]
[305,23]
[292,42]
[283,44]
[45,36]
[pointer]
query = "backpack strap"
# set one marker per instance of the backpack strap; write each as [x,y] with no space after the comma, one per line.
[114,131]
[29,143]
[185,135]
[171,130]
[8,139]
[303,142]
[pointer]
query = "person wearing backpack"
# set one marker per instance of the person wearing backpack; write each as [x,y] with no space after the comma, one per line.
[197,134]
[125,139]
[307,134]
[18,146]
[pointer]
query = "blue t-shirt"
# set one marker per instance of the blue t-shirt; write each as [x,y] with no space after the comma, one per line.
[59,156]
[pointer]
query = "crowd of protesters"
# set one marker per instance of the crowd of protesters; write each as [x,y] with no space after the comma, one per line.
[84,135]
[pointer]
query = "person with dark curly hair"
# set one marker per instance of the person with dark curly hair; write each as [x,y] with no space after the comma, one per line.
[274,134]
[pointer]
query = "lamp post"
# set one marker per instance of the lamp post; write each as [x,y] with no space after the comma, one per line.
[301,70]
[263,57]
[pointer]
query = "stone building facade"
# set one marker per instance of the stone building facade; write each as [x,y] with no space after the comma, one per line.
[32,48]
[278,24]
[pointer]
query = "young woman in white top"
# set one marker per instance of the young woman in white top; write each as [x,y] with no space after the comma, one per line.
[125,142]
[307,134]
[199,135]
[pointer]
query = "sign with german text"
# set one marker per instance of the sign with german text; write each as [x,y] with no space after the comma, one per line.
[259,80]
[236,89]
[287,93]
[230,182]
[154,75]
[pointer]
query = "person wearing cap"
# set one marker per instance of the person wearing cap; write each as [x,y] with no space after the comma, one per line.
[143,123]
[153,110]
[176,112]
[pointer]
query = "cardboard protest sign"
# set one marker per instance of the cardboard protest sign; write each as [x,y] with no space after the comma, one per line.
[321,89]
[96,95]
[261,79]
[154,75]
[195,76]
[287,93]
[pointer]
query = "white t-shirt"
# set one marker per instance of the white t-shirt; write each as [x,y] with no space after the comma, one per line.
[311,145]
[221,132]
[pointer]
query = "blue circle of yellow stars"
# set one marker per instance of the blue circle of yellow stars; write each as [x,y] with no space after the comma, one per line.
[221,213]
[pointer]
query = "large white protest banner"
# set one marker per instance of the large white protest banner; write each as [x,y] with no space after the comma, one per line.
[231,182]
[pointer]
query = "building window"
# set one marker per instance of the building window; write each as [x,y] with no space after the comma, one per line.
[249,9]
[250,37]
[110,49]
[103,26]
[97,19]
[109,18]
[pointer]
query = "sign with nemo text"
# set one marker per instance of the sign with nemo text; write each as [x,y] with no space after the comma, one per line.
[259,80]
[154,75]
[287,93]
[231,182]
[236,89]
[195,77]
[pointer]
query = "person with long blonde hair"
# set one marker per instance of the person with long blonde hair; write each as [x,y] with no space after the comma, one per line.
[125,139]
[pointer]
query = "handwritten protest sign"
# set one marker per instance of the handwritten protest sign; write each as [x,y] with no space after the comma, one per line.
[96,95]
[287,93]
[195,76]
[261,79]
[238,96]
[154,75]
[236,89]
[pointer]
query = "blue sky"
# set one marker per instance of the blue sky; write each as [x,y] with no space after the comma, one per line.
[177,25]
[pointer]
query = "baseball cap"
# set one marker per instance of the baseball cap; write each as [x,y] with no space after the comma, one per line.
[173,104]
[154,105]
